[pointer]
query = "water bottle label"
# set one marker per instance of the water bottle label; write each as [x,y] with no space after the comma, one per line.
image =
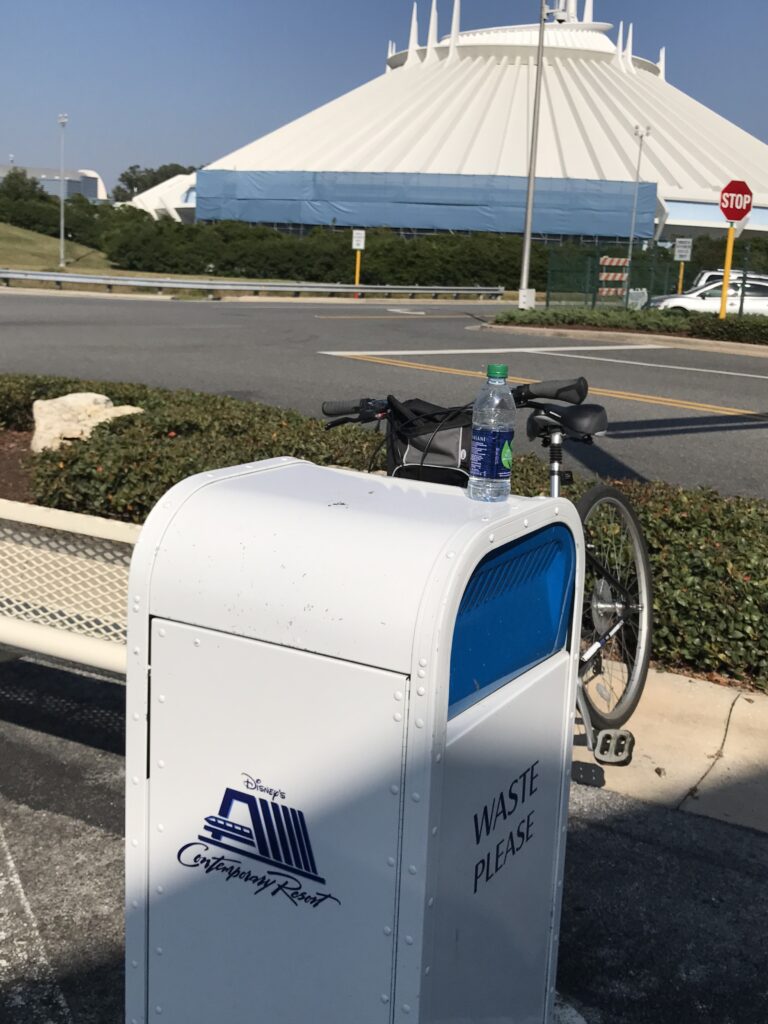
[491,454]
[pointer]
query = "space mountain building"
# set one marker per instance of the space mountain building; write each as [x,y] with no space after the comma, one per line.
[441,140]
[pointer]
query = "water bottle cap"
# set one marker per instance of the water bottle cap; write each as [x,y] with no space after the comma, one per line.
[498,370]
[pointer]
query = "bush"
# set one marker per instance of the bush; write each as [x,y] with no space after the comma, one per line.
[708,552]
[751,329]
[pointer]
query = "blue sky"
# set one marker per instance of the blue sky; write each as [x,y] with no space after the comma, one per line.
[155,81]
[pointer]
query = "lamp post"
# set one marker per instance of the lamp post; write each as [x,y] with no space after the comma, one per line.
[63,119]
[526,300]
[641,134]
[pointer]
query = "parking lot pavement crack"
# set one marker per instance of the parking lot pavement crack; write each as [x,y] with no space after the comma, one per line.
[693,791]
[26,978]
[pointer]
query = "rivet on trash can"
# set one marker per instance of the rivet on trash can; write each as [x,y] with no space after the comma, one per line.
[135,650]
[427,970]
[135,780]
[136,716]
[412,869]
[557,510]
[421,673]
[451,554]
[134,963]
[525,523]
[394,790]
[159,950]
[391,861]
[423,662]
[387,930]
[162,632]
[409,940]
[197,642]
[397,716]
[406,1008]
[161,764]
[384,998]
[161,698]
[160,890]
[434,830]
[135,904]
[415,797]
[439,758]
[161,828]
[421,691]
[431,901]
[419,723]
[134,842]
[158,1009]
[491,538]
[398,695]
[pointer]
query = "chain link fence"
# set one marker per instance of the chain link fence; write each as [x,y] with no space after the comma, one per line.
[598,277]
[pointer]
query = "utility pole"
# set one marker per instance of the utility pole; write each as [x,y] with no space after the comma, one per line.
[527,298]
[641,134]
[63,120]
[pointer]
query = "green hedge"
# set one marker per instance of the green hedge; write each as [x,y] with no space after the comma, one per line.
[751,329]
[708,552]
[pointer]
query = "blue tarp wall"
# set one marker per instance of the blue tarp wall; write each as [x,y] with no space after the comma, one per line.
[443,202]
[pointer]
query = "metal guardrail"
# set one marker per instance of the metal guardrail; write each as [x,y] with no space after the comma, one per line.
[64,584]
[294,288]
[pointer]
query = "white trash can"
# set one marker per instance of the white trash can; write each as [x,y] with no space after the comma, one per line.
[350,707]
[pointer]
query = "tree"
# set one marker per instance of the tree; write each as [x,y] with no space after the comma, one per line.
[138,179]
[17,187]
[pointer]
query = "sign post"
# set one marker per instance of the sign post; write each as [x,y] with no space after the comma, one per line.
[683,252]
[358,246]
[735,205]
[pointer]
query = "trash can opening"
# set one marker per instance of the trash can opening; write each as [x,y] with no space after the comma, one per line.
[515,613]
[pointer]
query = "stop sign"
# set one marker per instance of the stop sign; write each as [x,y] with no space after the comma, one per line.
[736,200]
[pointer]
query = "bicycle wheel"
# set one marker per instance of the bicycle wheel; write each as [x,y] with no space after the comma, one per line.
[617,618]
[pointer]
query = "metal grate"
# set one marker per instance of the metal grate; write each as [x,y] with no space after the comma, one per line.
[65,581]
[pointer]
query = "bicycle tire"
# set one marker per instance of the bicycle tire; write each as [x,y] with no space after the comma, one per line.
[617,585]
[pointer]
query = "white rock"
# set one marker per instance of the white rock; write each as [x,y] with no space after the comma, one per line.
[72,417]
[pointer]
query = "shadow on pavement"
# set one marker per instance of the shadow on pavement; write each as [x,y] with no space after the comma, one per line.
[665,917]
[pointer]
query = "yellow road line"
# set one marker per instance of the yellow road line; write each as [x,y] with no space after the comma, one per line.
[628,396]
[391,316]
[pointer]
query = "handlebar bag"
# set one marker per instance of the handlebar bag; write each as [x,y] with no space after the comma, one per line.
[429,442]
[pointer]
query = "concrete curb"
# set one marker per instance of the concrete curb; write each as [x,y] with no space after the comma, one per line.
[700,748]
[668,340]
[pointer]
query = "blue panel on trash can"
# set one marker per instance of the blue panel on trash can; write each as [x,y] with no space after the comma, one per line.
[515,613]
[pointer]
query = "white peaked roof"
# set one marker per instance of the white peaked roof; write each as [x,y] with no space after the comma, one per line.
[168,199]
[462,105]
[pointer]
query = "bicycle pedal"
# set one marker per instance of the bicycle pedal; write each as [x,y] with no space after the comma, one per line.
[614,746]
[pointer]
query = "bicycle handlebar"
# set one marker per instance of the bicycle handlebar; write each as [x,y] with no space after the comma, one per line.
[366,410]
[341,408]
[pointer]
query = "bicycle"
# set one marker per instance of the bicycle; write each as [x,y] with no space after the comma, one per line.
[617,616]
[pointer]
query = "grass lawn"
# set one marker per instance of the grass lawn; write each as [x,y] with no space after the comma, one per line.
[27,250]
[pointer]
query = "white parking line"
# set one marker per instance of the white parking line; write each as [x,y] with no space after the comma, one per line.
[562,351]
[488,351]
[25,972]
[662,366]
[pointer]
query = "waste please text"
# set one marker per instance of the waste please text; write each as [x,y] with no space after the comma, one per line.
[510,816]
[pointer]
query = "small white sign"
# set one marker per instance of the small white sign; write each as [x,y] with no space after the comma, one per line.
[358,240]
[683,250]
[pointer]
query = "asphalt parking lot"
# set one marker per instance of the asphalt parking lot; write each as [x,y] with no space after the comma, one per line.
[690,415]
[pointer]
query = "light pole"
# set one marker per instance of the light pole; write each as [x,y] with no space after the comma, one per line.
[63,119]
[526,299]
[641,134]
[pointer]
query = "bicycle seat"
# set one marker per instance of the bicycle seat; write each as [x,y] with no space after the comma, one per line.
[582,420]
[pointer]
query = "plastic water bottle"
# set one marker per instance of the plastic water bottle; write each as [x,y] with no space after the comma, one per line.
[493,432]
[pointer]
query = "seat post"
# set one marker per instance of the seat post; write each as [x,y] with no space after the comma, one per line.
[555,462]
